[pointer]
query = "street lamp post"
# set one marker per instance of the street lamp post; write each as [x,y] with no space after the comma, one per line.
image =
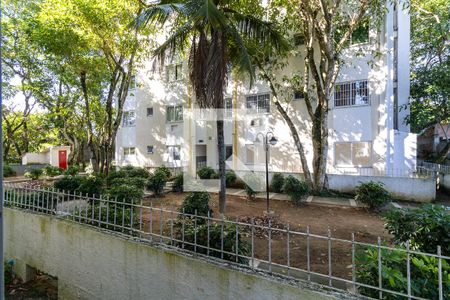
[266,141]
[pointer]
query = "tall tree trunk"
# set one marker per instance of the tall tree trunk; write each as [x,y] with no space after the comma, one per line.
[222,171]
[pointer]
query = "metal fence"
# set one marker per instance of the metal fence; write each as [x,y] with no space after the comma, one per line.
[419,172]
[444,169]
[273,248]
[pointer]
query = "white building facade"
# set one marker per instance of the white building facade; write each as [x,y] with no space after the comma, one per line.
[367,131]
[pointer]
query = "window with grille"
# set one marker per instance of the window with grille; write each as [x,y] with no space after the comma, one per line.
[175,152]
[174,113]
[174,72]
[150,149]
[149,111]
[351,93]
[353,154]
[129,151]
[258,103]
[129,118]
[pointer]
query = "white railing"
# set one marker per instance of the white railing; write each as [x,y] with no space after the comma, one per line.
[444,169]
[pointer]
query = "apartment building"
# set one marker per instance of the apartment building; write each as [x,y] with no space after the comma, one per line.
[367,131]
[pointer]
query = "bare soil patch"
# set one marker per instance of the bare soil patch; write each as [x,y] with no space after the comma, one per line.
[341,221]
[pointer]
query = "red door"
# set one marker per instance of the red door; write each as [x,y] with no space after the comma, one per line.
[62,157]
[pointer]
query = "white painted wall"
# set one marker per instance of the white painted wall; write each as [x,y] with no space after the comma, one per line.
[91,264]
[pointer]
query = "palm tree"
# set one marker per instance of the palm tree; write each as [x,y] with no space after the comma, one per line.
[220,37]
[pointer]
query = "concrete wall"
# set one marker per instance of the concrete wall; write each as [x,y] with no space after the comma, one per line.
[91,264]
[35,158]
[411,189]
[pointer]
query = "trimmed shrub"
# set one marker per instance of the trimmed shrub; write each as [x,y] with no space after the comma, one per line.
[177,185]
[199,233]
[372,194]
[91,186]
[109,214]
[197,201]
[34,174]
[230,178]
[277,183]
[68,183]
[252,181]
[127,172]
[425,228]
[72,170]
[206,173]
[165,170]
[52,171]
[124,193]
[131,171]
[130,181]
[157,182]
[296,189]
[8,171]
[424,273]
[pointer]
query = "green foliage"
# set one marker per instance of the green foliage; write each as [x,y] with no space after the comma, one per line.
[52,171]
[130,181]
[68,183]
[206,172]
[197,201]
[157,182]
[131,171]
[425,228]
[127,172]
[277,183]
[372,194]
[424,273]
[122,215]
[165,170]
[296,189]
[125,193]
[8,171]
[199,234]
[178,181]
[72,170]
[8,271]
[34,174]
[230,178]
[91,185]
[252,181]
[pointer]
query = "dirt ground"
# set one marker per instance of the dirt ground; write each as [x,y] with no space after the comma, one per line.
[341,221]
[43,287]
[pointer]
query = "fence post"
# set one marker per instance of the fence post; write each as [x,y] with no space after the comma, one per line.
[380,268]
[308,259]
[408,269]
[329,257]
[288,250]
[441,289]
[353,263]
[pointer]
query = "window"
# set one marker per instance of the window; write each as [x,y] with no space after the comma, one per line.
[150,149]
[173,128]
[129,151]
[353,154]
[132,85]
[299,39]
[258,103]
[351,93]
[175,152]
[129,118]
[298,95]
[228,107]
[149,111]
[255,154]
[174,113]
[174,72]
